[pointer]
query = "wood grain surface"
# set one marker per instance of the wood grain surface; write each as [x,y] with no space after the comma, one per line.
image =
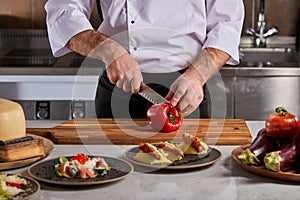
[129,131]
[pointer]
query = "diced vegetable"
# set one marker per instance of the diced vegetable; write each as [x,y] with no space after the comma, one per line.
[62,160]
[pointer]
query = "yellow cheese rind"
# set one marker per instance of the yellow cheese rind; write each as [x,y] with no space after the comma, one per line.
[12,120]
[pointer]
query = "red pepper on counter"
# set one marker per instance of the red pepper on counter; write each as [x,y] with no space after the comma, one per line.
[164,117]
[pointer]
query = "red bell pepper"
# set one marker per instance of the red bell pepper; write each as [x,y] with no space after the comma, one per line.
[164,117]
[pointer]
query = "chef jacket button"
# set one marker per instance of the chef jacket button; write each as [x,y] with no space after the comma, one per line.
[134,48]
[132,22]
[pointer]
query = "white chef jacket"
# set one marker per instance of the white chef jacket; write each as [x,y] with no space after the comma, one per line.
[162,35]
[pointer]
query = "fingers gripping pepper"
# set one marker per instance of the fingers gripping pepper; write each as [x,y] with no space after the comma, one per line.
[164,117]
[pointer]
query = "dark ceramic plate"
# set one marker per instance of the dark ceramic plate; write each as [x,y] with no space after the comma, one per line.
[31,189]
[188,161]
[45,172]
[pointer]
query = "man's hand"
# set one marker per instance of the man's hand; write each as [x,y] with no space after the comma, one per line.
[186,93]
[125,73]
[122,69]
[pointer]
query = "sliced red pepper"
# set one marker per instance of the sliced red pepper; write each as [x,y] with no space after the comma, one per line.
[164,117]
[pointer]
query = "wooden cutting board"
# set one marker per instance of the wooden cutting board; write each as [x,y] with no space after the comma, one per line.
[127,131]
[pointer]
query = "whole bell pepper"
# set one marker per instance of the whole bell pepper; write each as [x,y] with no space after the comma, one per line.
[164,117]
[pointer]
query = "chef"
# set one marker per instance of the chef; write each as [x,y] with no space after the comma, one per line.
[174,46]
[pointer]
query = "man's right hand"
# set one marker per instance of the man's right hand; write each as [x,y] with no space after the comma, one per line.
[125,73]
[122,69]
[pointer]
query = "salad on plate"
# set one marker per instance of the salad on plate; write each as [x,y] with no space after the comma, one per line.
[81,166]
[10,185]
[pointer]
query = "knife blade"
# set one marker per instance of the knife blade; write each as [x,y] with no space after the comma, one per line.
[151,95]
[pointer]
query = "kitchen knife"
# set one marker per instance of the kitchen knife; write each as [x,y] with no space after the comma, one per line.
[151,95]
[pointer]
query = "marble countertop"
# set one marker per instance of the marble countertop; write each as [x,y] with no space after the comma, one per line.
[222,180]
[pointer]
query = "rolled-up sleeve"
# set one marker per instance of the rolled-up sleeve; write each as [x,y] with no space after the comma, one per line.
[66,18]
[224,25]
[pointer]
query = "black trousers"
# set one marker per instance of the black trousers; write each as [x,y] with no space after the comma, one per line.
[113,102]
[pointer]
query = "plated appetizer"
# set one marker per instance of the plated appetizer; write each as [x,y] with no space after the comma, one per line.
[193,145]
[10,185]
[81,166]
[80,170]
[168,152]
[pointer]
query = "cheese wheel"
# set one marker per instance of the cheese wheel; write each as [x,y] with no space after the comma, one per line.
[12,120]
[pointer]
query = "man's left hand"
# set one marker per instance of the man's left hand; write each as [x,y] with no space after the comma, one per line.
[186,93]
